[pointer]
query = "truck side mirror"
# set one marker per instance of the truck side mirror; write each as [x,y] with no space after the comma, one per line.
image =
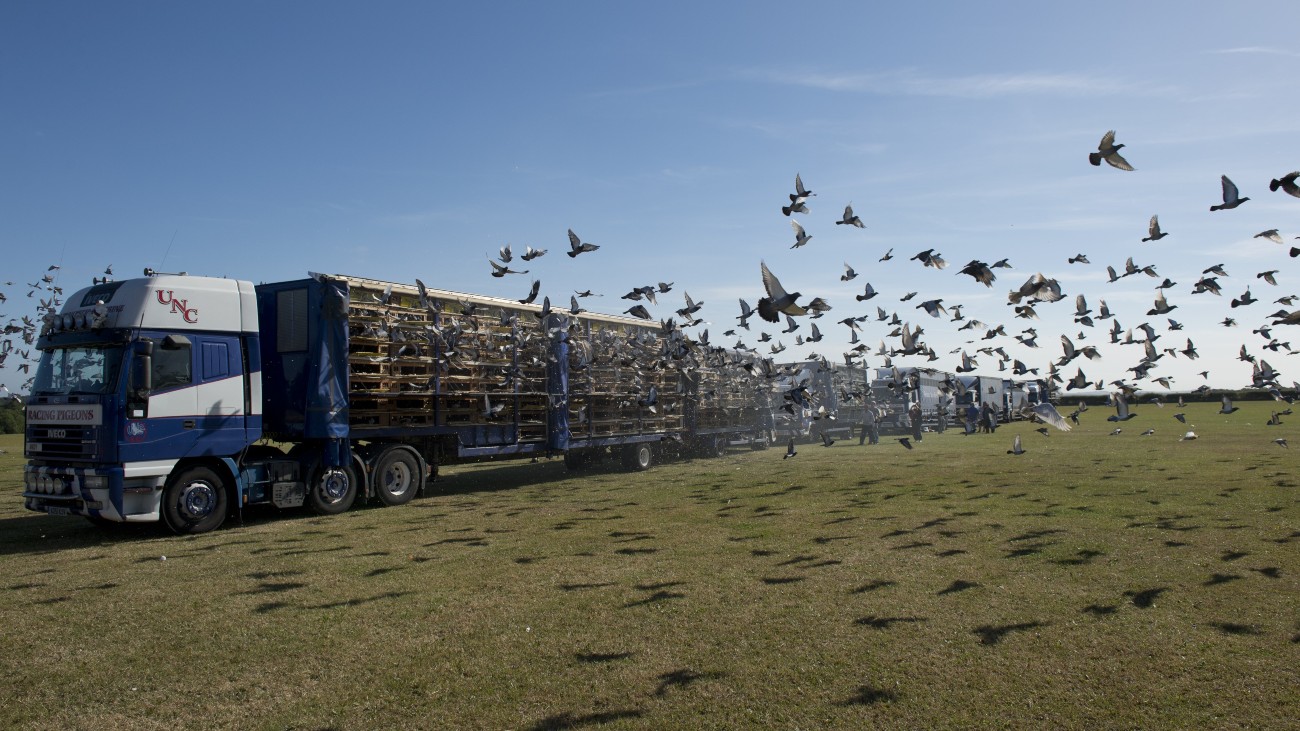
[143,375]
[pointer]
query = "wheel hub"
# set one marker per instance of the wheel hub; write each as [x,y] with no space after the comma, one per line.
[198,499]
[334,484]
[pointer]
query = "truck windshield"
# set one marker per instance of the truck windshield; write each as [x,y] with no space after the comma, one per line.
[78,369]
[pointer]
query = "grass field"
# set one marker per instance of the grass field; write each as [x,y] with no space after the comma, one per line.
[1095,582]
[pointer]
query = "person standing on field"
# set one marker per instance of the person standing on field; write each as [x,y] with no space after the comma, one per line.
[914,415]
[870,426]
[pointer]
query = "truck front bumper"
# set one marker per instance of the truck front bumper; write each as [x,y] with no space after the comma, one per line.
[128,493]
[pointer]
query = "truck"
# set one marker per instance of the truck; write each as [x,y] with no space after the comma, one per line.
[185,399]
[894,389]
[981,390]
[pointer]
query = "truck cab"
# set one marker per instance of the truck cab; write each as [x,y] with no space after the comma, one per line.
[142,382]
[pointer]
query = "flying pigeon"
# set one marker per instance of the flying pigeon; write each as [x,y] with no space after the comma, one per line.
[777,299]
[1154,232]
[577,246]
[801,238]
[1016,448]
[849,219]
[1286,183]
[500,270]
[1230,197]
[1109,151]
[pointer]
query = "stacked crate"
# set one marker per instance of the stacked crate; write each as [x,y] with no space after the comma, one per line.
[612,368]
[449,363]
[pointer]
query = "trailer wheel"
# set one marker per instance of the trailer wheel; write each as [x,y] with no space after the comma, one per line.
[718,447]
[638,457]
[194,501]
[331,490]
[396,476]
[761,442]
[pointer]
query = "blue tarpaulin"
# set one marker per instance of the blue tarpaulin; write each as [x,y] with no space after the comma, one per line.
[557,388]
[327,404]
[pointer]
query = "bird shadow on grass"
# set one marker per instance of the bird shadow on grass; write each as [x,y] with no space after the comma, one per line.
[885,622]
[993,634]
[872,586]
[358,601]
[1081,557]
[1234,628]
[658,596]
[590,658]
[562,721]
[868,696]
[1146,598]
[682,678]
[956,586]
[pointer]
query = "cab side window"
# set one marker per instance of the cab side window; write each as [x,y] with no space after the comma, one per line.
[171,368]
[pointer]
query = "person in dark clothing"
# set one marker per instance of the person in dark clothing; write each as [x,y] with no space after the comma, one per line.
[972,417]
[914,415]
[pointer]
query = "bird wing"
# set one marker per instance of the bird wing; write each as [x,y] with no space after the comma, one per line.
[1229,190]
[773,285]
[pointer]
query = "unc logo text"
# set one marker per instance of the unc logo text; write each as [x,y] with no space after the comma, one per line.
[180,306]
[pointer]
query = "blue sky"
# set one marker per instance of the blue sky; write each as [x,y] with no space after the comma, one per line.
[398,140]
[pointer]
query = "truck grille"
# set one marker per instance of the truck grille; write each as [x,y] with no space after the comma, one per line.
[51,441]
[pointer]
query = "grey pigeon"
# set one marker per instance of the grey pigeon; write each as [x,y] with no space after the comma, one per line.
[577,246]
[1231,199]
[1153,230]
[1271,235]
[1286,183]
[777,300]
[801,238]
[1109,151]
[849,219]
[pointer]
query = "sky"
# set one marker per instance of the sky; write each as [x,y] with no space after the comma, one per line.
[397,140]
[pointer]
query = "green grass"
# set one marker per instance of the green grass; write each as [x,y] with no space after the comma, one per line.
[1094,582]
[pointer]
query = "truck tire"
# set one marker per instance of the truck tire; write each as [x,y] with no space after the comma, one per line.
[638,457]
[397,476]
[718,447]
[331,490]
[194,501]
[761,442]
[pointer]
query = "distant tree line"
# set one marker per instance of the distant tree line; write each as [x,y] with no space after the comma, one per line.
[11,417]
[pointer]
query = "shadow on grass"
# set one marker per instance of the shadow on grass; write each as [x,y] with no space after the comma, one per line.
[681,679]
[658,596]
[885,622]
[868,696]
[562,721]
[992,635]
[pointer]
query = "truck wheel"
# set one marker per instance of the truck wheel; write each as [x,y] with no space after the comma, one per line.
[761,442]
[638,457]
[719,446]
[397,476]
[331,490]
[194,501]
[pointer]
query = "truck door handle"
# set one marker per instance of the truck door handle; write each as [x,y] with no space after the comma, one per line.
[188,424]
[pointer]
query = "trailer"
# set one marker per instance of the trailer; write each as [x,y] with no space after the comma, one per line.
[814,397]
[184,399]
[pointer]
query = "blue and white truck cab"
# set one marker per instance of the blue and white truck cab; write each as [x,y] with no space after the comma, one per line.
[138,378]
